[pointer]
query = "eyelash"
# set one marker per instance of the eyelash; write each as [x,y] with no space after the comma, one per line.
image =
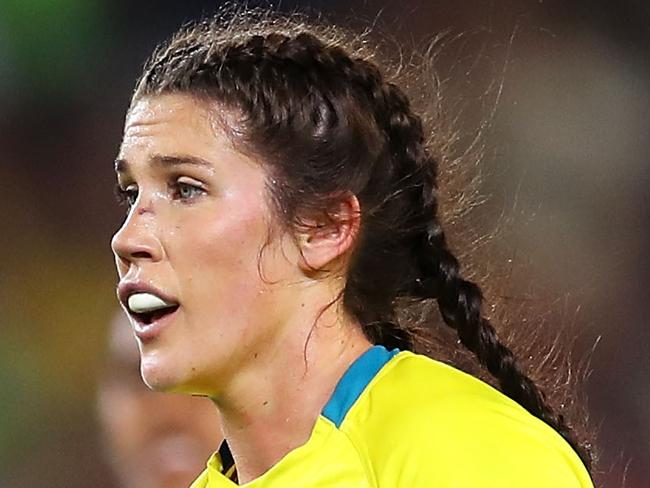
[126,197]
[122,195]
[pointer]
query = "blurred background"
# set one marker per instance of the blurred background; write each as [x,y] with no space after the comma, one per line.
[566,159]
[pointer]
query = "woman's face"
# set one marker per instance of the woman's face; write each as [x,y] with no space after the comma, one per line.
[203,298]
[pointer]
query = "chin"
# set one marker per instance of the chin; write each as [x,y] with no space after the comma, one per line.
[158,382]
[159,375]
[167,375]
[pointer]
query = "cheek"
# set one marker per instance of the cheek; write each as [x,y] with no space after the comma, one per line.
[229,276]
[219,253]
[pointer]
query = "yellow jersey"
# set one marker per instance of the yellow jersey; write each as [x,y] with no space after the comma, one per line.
[403,420]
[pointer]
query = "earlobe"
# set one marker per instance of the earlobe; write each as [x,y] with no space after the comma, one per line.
[331,237]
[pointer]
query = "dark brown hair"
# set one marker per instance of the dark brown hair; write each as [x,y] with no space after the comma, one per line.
[327,122]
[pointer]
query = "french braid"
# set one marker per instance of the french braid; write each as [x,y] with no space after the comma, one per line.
[459,300]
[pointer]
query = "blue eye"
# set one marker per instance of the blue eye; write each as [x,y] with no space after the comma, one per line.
[186,191]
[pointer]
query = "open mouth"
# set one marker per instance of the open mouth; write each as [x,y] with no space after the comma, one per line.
[147,318]
[147,308]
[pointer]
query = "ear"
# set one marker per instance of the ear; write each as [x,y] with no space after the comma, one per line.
[329,236]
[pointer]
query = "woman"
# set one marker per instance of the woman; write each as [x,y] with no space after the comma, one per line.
[282,218]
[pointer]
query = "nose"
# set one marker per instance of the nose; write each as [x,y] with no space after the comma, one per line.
[136,240]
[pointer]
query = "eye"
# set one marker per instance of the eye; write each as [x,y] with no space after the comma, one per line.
[184,190]
[126,196]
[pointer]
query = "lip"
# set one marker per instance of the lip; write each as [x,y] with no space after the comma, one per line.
[146,332]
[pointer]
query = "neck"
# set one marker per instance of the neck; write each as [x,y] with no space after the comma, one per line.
[272,406]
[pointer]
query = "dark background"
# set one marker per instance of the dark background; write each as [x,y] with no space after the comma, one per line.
[566,157]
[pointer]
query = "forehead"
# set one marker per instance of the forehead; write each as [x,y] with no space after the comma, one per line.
[172,123]
[166,108]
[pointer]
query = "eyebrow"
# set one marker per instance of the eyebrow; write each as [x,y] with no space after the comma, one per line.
[166,161]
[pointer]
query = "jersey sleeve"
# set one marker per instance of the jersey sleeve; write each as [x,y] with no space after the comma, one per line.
[474,447]
[443,431]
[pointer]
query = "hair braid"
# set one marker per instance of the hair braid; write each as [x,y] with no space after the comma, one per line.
[460,301]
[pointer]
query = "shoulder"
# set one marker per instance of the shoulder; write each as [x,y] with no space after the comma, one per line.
[421,421]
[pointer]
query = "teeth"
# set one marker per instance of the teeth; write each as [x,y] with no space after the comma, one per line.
[147,302]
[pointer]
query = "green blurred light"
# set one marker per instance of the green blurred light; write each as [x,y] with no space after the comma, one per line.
[49,42]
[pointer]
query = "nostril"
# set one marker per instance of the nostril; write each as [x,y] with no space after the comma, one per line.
[140,254]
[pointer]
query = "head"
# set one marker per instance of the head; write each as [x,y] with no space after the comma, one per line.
[250,191]
[336,185]
[152,440]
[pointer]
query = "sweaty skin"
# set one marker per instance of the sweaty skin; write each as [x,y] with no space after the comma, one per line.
[252,330]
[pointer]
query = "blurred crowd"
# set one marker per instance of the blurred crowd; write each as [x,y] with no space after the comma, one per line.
[563,88]
[151,440]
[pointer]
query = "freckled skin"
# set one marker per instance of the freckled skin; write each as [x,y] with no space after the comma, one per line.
[202,251]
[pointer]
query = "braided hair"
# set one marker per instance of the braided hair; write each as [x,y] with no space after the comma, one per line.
[327,122]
